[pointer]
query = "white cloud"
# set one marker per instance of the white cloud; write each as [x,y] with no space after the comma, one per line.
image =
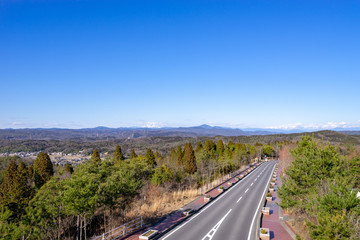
[17,123]
[287,126]
[153,124]
[315,126]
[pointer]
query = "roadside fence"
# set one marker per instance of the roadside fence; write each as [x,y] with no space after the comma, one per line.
[122,230]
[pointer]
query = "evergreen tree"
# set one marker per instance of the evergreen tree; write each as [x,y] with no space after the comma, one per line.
[8,228]
[268,151]
[231,145]
[122,186]
[133,154]
[173,155]
[179,156]
[335,211]
[209,146]
[118,155]
[43,169]
[355,170]
[220,146]
[161,175]
[46,210]
[229,150]
[95,157]
[15,193]
[80,198]
[150,157]
[31,171]
[220,149]
[189,159]
[23,170]
[313,163]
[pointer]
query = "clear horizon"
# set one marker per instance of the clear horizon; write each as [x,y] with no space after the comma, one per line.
[269,64]
[289,127]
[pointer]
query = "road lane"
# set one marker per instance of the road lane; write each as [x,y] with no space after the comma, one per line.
[234,210]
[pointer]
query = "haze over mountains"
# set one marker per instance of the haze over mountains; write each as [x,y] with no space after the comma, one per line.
[138,132]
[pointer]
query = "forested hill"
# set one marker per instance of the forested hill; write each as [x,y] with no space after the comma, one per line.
[104,133]
[117,133]
[162,144]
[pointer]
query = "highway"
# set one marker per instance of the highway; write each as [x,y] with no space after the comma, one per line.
[233,215]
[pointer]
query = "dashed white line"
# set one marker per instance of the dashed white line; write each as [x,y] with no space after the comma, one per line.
[212,232]
[239,200]
[255,179]
[252,223]
[252,184]
[246,190]
[217,199]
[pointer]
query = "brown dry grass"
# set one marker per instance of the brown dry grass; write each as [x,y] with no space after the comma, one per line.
[159,203]
[300,227]
[156,202]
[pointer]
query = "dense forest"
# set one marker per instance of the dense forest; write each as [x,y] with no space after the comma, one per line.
[42,201]
[320,184]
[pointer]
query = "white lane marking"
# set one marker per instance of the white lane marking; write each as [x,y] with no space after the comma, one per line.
[239,200]
[212,232]
[217,199]
[251,184]
[246,190]
[255,179]
[257,210]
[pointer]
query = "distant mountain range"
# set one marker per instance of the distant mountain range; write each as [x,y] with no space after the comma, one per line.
[135,132]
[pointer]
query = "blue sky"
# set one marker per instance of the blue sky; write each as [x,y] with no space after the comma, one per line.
[242,64]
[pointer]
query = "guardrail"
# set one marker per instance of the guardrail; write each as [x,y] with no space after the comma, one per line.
[122,230]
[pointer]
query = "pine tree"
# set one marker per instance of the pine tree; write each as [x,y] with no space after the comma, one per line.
[43,169]
[95,157]
[150,157]
[133,154]
[118,155]
[179,156]
[189,159]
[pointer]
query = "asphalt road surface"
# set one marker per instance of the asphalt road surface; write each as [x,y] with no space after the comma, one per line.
[231,216]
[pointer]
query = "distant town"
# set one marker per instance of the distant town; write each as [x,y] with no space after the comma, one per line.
[57,158]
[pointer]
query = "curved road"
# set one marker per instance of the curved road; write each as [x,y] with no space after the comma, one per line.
[233,215]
